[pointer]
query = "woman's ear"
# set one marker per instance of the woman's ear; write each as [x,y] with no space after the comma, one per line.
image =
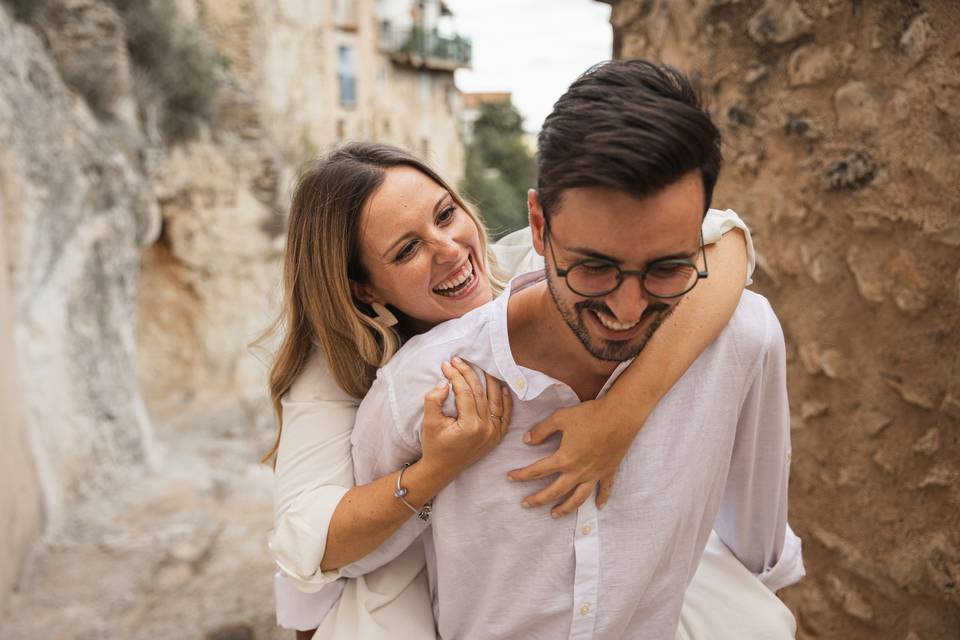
[363,293]
[536,220]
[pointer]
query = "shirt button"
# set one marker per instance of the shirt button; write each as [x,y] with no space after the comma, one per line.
[520,384]
[585,608]
[586,529]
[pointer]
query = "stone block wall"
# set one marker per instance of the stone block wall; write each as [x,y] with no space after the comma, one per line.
[841,124]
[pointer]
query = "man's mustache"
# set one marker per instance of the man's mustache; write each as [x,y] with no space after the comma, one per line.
[596,305]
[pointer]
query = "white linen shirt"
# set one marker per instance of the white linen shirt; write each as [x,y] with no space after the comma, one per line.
[714,453]
[314,468]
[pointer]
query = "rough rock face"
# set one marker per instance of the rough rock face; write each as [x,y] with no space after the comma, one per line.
[842,147]
[77,211]
[21,501]
[209,281]
[134,265]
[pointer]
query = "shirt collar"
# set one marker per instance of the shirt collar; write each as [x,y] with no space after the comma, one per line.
[513,374]
[524,385]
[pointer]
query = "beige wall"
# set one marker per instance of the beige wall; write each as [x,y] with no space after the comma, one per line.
[20,499]
[422,107]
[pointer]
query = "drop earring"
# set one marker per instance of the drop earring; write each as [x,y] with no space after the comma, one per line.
[384,316]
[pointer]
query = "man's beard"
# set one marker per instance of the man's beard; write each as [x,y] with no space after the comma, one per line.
[609,350]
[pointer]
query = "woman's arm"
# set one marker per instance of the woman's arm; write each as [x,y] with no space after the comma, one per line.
[322,522]
[369,514]
[598,433]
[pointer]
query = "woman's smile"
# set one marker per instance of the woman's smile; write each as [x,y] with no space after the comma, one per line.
[461,283]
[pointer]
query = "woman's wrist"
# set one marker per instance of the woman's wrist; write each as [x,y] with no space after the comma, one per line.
[423,480]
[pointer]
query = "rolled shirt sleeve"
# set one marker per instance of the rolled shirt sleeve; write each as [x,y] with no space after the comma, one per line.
[303,611]
[752,520]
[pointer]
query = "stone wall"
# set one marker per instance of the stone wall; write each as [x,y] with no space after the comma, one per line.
[842,140]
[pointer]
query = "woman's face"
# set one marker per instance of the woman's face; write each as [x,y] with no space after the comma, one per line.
[421,251]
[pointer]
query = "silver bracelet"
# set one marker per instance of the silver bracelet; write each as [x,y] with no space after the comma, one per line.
[423,514]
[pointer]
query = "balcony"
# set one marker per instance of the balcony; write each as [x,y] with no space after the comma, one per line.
[425,49]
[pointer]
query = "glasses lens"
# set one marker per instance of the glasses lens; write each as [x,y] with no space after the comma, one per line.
[670,279]
[593,278]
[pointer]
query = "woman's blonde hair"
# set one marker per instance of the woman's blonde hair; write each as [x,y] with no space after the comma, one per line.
[322,256]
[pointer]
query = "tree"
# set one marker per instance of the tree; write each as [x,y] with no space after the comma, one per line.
[499,168]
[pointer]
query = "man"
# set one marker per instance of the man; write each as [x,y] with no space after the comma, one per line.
[628,161]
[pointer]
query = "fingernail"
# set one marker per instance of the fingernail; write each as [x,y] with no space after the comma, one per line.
[442,384]
[527,437]
[601,505]
[555,515]
[526,505]
[457,360]
[510,478]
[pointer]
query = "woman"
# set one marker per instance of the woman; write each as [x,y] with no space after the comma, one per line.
[350,300]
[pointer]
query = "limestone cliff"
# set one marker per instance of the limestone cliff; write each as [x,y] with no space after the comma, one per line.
[140,266]
[842,138]
[77,210]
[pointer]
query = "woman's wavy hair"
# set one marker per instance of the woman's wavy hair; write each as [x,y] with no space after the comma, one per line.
[322,256]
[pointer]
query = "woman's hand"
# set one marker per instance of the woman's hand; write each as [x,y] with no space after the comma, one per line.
[450,445]
[593,443]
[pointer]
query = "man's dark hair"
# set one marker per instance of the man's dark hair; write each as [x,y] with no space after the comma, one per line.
[630,125]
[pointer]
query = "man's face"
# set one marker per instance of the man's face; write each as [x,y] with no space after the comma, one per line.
[598,222]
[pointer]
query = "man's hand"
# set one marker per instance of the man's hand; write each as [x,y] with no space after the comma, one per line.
[593,443]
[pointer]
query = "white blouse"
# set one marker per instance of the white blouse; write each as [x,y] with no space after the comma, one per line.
[314,470]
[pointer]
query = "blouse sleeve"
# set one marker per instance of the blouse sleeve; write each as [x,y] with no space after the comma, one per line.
[716,223]
[314,470]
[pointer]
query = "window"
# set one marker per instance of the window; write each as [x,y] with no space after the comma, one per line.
[346,72]
[426,86]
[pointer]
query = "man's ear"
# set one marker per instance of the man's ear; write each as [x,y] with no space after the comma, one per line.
[537,221]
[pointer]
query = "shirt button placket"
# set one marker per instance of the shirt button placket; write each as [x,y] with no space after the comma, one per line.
[586,576]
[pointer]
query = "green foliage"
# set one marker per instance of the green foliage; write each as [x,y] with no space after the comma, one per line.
[26,10]
[499,168]
[178,59]
[171,57]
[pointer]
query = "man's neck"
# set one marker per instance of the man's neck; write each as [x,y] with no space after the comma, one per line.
[541,340]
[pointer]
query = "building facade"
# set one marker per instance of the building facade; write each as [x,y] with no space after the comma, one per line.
[331,71]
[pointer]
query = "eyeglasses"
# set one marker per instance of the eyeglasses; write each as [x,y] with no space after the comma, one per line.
[595,277]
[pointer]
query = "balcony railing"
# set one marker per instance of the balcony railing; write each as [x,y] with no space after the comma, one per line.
[421,48]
